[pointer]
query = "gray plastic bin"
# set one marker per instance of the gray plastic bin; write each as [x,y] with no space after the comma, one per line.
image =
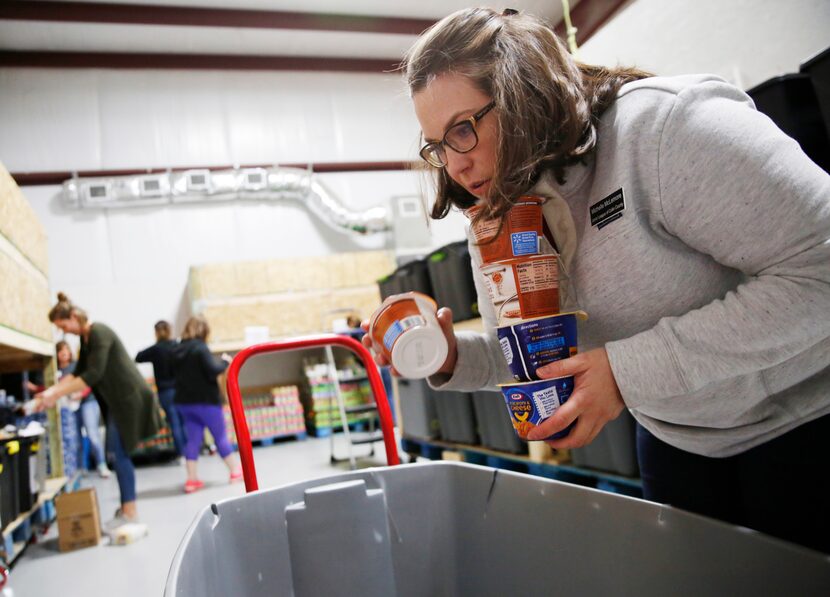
[494,425]
[457,418]
[418,413]
[452,529]
[614,449]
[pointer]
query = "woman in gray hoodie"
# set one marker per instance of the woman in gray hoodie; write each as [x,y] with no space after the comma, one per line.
[696,236]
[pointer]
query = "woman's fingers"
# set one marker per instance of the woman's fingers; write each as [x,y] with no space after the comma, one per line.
[564,416]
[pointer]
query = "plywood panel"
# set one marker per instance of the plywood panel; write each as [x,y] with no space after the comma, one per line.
[256,278]
[20,225]
[24,299]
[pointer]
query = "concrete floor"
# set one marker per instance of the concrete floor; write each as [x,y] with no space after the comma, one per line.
[140,569]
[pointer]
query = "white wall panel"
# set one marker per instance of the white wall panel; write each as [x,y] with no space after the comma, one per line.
[49,120]
[744,41]
[101,119]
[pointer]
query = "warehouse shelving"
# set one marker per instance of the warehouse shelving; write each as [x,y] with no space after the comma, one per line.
[19,532]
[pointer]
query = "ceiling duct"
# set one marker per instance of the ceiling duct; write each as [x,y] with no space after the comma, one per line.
[265,184]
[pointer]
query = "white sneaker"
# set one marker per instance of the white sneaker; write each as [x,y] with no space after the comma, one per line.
[128,533]
[103,471]
[118,521]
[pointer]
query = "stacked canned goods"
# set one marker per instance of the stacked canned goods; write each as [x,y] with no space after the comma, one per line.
[521,272]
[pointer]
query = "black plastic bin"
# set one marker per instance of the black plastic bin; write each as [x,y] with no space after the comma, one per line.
[457,417]
[791,102]
[411,276]
[418,412]
[494,424]
[452,280]
[27,466]
[9,478]
[390,285]
[414,276]
[818,67]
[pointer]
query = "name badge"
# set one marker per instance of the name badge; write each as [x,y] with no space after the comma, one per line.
[607,210]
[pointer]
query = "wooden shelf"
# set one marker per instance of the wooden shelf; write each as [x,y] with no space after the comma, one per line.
[18,533]
[21,352]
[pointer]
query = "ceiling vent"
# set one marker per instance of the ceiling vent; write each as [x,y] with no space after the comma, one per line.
[198,181]
[153,186]
[96,193]
[254,179]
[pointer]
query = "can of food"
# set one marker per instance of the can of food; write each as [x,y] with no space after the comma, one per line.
[406,331]
[532,402]
[528,345]
[516,235]
[523,288]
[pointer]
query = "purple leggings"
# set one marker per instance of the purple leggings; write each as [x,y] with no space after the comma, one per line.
[196,418]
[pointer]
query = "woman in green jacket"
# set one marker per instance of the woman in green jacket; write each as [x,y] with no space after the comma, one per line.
[131,409]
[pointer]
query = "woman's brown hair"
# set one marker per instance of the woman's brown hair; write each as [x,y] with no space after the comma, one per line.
[547,104]
[196,327]
[60,345]
[64,309]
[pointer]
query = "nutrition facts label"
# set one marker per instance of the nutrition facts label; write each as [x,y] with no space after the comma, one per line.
[538,286]
[536,275]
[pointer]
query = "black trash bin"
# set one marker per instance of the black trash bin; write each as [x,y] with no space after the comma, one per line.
[791,102]
[452,280]
[26,468]
[389,285]
[414,276]
[9,478]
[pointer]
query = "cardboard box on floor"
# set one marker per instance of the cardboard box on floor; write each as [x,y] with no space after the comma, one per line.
[79,524]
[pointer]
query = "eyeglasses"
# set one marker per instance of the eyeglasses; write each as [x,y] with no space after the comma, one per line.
[460,137]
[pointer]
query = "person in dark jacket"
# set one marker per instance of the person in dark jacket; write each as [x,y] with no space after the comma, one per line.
[160,355]
[198,400]
[132,411]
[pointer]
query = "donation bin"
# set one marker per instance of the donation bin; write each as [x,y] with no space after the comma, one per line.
[443,528]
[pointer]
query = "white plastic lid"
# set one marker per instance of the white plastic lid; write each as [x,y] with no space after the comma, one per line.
[419,352]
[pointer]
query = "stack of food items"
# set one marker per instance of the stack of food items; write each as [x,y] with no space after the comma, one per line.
[521,271]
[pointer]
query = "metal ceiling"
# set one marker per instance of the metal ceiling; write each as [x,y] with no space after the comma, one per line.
[254,34]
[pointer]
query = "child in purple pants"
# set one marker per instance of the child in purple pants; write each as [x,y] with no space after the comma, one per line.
[198,400]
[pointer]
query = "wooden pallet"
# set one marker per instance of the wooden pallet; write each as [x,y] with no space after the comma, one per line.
[434,450]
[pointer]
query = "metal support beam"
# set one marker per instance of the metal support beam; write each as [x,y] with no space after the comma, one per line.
[187,16]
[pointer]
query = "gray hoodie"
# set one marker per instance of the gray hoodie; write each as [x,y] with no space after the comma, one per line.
[697,238]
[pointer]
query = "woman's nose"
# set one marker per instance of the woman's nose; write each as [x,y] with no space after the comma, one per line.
[457,164]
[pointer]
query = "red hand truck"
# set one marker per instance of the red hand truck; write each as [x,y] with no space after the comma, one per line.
[243,437]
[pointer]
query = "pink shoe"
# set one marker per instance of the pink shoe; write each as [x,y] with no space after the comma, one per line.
[191,486]
[236,475]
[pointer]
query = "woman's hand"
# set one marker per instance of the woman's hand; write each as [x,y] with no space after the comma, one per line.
[595,400]
[46,399]
[445,320]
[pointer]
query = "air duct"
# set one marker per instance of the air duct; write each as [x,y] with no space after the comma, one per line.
[265,184]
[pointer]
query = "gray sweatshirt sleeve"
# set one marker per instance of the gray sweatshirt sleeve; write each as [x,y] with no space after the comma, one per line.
[480,364]
[734,187]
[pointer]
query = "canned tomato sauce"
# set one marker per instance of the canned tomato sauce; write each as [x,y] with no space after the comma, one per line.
[523,288]
[406,331]
[519,235]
